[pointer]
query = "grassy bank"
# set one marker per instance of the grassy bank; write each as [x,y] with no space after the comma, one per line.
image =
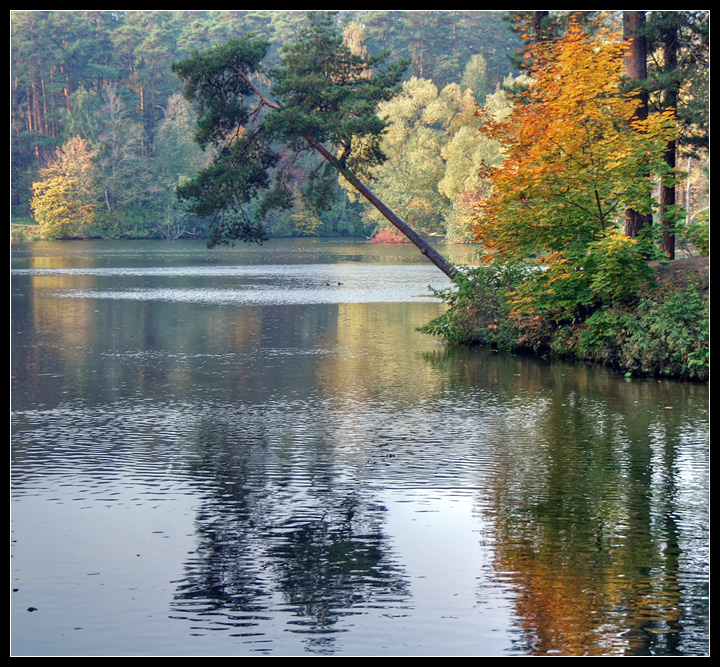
[24,229]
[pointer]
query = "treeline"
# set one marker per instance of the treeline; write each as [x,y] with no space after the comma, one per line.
[101,135]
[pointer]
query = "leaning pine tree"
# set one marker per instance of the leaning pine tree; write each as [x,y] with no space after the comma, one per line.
[322,96]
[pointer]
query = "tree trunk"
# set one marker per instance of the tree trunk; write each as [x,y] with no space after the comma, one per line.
[425,248]
[636,72]
[667,204]
[667,190]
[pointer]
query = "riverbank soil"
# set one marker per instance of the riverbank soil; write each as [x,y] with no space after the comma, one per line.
[685,271]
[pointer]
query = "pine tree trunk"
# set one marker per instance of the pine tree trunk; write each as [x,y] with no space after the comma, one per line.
[636,71]
[667,203]
[420,243]
[667,190]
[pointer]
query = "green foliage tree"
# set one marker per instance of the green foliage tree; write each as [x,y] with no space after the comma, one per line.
[176,159]
[125,175]
[677,80]
[475,76]
[435,152]
[467,154]
[66,199]
[417,122]
[144,48]
[441,44]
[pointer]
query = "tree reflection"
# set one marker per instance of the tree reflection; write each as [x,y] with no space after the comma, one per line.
[591,508]
[281,537]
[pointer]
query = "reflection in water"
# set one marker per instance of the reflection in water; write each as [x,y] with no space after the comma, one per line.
[587,505]
[210,459]
[279,534]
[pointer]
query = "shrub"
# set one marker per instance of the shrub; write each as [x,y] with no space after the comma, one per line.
[618,268]
[478,307]
[388,235]
[662,333]
[670,336]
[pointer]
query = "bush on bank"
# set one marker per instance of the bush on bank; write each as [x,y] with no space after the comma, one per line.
[661,330]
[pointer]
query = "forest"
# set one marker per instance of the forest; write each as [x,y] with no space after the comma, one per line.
[93,92]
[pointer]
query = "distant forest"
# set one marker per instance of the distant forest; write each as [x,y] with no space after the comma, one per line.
[102,135]
[105,77]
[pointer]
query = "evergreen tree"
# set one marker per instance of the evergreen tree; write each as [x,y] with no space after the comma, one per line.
[677,80]
[323,93]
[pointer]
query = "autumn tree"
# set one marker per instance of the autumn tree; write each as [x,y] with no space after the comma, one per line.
[576,157]
[66,198]
[667,67]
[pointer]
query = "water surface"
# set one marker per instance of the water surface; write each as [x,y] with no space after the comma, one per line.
[252,451]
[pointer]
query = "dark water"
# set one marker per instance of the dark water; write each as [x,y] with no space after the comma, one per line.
[228,453]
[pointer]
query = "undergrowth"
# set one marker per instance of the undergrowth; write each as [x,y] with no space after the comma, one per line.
[662,332]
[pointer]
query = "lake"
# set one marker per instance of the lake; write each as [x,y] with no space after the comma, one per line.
[252,451]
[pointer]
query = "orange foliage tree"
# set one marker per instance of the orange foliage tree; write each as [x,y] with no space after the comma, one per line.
[575,158]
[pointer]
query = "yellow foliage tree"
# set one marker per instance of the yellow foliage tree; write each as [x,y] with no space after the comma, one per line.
[575,155]
[66,198]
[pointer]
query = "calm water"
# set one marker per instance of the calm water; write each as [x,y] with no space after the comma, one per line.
[227,452]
